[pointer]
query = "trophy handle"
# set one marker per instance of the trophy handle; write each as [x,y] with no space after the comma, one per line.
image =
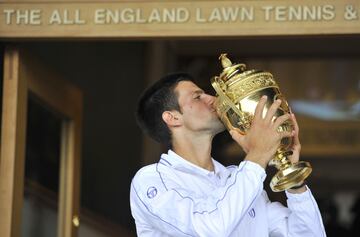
[229,126]
[215,82]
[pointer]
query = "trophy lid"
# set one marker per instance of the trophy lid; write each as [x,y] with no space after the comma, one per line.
[229,69]
[235,79]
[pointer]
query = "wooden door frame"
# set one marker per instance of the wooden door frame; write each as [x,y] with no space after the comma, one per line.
[22,73]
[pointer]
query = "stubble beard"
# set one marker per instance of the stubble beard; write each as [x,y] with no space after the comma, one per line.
[218,126]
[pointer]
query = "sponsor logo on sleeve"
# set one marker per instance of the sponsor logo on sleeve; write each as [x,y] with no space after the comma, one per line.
[151,192]
[252,213]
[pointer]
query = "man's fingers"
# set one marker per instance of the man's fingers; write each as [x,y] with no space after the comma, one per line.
[280,120]
[286,134]
[260,107]
[296,128]
[272,110]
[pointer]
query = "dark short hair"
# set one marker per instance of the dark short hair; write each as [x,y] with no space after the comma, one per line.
[156,99]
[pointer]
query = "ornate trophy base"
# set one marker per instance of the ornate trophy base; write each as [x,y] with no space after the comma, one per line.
[291,176]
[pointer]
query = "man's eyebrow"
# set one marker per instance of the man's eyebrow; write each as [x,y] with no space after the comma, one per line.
[198,91]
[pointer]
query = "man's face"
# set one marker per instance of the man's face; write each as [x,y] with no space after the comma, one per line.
[198,112]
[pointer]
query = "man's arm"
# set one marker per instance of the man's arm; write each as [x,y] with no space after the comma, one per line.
[304,218]
[301,218]
[161,205]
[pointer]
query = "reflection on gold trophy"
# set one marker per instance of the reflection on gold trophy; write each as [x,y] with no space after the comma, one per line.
[238,92]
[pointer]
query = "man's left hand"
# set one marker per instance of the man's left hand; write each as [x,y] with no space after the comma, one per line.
[294,158]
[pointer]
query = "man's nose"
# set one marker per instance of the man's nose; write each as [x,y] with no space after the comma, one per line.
[210,99]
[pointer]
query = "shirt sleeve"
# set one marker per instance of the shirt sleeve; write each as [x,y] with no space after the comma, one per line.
[301,218]
[180,212]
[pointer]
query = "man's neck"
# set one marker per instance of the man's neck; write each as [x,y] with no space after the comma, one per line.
[195,150]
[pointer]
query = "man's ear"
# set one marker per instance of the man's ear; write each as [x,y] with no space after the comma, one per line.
[172,118]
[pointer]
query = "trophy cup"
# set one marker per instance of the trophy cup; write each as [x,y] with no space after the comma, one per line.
[238,93]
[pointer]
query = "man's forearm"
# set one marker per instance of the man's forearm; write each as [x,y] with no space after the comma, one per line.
[305,216]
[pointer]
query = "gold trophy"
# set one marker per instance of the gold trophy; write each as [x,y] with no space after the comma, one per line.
[238,93]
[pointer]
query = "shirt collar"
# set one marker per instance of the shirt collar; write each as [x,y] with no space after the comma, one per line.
[179,163]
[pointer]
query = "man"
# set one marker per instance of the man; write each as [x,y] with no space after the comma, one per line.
[187,193]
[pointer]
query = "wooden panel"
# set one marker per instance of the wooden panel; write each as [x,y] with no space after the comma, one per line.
[64,99]
[127,19]
[58,95]
[69,178]
[12,144]
[22,74]
[330,138]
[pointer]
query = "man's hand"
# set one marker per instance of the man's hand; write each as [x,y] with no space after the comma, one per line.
[294,158]
[262,139]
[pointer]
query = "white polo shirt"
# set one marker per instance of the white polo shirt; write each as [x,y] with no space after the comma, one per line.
[177,198]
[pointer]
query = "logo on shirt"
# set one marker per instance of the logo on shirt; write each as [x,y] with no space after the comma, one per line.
[151,192]
[252,212]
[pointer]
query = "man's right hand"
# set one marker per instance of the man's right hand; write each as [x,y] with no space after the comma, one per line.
[262,139]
